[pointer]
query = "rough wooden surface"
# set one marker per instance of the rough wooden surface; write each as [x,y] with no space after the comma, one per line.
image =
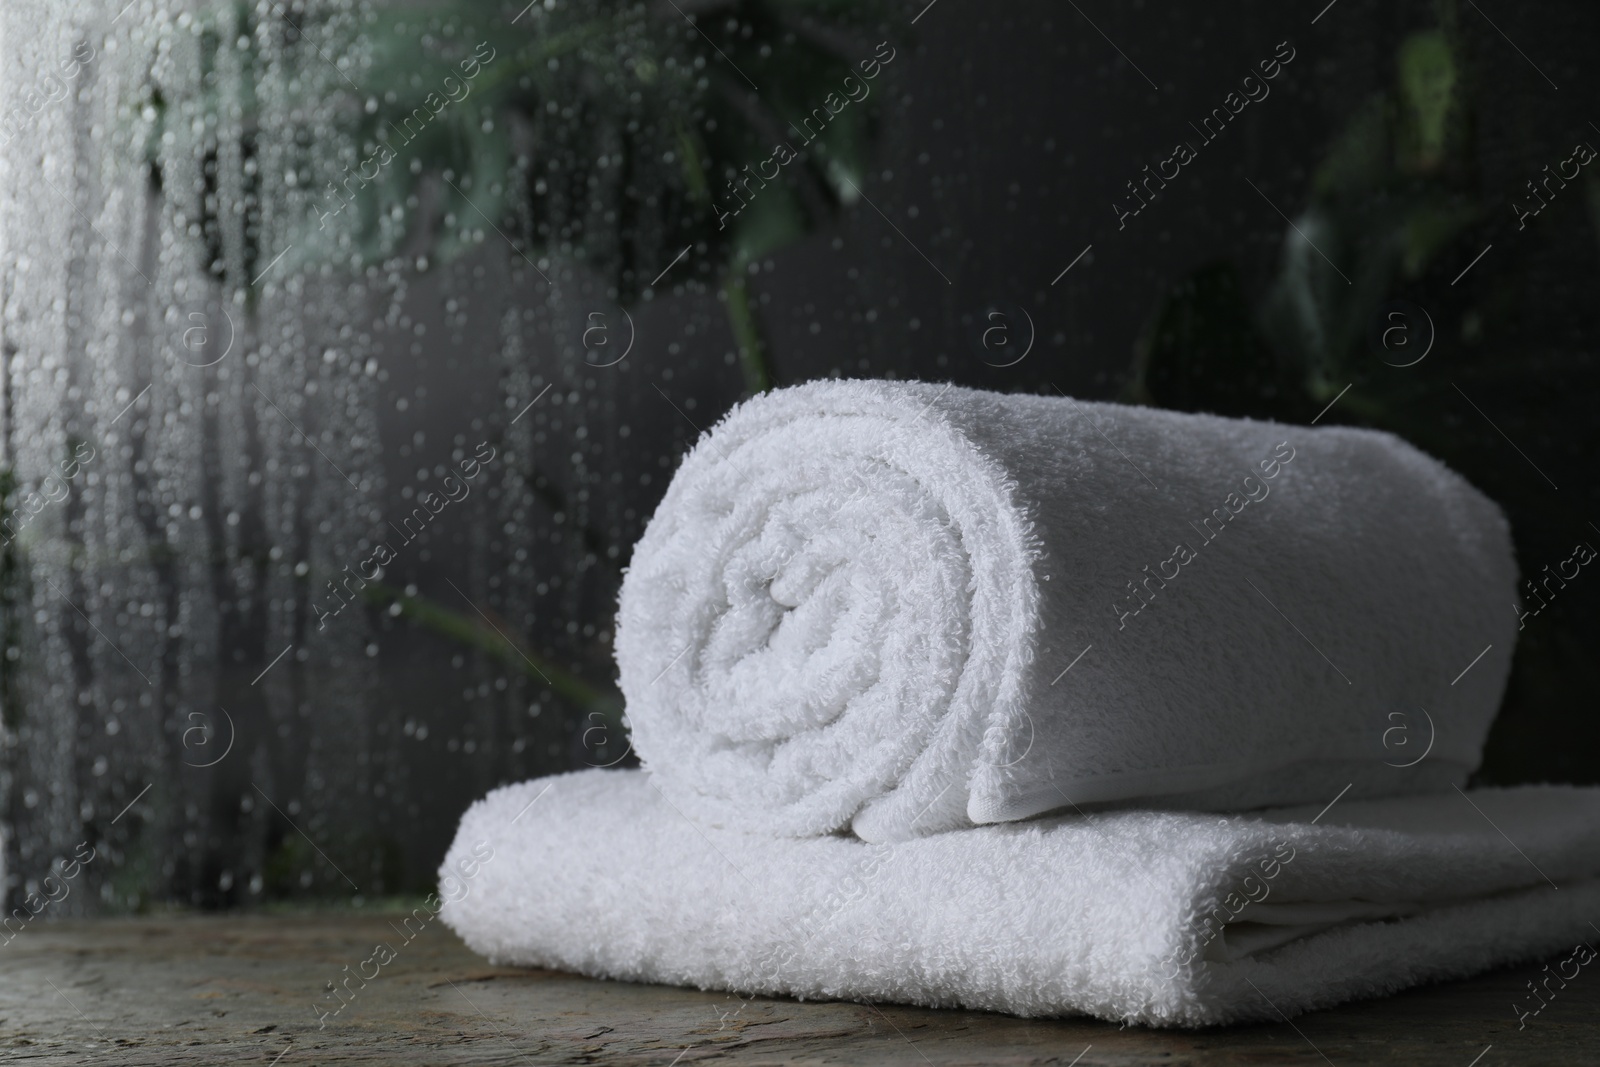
[241,990]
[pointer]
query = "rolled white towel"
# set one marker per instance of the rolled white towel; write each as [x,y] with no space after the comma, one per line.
[1166,918]
[903,608]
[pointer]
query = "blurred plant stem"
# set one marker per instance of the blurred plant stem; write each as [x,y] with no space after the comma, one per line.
[742,318]
[486,636]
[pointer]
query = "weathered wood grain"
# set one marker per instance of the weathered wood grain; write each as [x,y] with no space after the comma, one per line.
[241,990]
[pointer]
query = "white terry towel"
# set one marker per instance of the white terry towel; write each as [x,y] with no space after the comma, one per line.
[1164,918]
[903,608]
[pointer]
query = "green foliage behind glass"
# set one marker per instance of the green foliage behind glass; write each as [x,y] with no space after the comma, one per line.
[1396,209]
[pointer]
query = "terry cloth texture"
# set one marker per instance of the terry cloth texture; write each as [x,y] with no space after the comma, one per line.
[903,608]
[1158,917]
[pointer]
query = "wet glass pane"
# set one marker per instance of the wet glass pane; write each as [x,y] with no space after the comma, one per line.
[348,346]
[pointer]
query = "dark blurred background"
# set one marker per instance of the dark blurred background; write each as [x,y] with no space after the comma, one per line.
[1358,243]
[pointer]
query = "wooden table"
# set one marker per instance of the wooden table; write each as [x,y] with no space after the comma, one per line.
[218,990]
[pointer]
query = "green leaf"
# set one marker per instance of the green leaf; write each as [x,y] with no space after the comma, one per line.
[1427,82]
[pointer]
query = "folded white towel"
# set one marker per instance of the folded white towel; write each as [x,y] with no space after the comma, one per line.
[904,608]
[1156,917]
